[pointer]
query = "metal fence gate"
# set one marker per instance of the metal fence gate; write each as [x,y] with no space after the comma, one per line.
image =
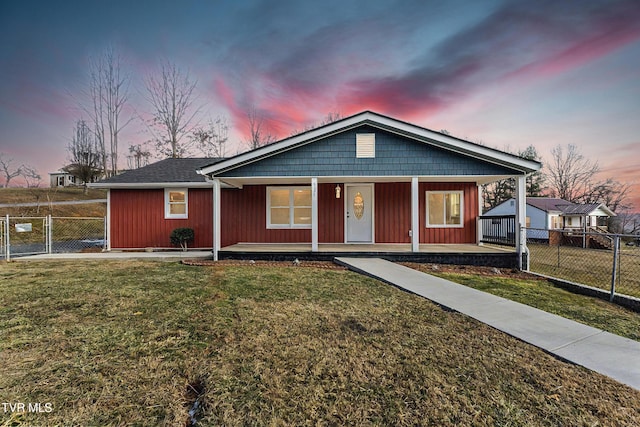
[20,236]
[26,236]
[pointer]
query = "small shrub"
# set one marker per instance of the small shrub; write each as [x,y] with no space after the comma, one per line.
[182,236]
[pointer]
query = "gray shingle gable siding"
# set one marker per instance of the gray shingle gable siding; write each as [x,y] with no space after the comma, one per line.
[395,156]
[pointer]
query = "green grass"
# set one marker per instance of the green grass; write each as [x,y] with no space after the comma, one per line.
[118,343]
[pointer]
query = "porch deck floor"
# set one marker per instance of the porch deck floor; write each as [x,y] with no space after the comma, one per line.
[365,248]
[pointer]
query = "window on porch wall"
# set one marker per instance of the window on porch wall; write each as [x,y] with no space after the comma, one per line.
[288,207]
[444,209]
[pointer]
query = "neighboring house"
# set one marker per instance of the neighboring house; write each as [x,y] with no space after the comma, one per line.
[546,213]
[65,179]
[367,179]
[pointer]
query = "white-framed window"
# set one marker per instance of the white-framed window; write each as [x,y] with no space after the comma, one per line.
[444,209]
[288,207]
[365,145]
[176,203]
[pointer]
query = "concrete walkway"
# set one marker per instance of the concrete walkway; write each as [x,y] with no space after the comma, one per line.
[600,351]
[96,256]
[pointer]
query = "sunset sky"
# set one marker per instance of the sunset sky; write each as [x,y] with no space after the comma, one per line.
[507,74]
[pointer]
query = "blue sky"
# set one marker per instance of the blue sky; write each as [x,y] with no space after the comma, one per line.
[506,73]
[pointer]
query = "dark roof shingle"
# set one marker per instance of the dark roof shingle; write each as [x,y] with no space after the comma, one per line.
[164,171]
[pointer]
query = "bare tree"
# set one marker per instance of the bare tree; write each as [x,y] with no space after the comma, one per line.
[107,94]
[210,140]
[138,156]
[329,118]
[258,136]
[84,155]
[171,95]
[500,191]
[612,193]
[572,177]
[31,177]
[8,170]
[569,172]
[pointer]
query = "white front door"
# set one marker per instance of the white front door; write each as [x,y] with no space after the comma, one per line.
[359,213]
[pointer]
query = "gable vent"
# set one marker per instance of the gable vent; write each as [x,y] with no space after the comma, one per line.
[365,145]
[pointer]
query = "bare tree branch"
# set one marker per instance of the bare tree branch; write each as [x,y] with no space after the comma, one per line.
[107,95]
[211,139]
[138,156]
[171,95]
[258,136]
[8,171]
[84,155]
[569,172]
[31,177]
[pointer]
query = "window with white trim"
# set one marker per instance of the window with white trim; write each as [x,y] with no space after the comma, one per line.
[444,209]
[288,207]
[365,145]
[176,203]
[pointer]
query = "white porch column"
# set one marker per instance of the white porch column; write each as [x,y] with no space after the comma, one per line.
[480,208]
[314,214]
[108,224]
[415,215]
[216,218]
[521,218]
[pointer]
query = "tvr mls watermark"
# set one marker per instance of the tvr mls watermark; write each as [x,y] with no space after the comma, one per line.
[31,407]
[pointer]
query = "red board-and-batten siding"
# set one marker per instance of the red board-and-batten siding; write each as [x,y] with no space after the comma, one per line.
[137,217]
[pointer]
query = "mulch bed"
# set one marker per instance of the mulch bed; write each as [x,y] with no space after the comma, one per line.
[327,265]
[471,269]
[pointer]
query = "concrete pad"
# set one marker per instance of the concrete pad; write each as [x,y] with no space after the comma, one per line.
[603,352]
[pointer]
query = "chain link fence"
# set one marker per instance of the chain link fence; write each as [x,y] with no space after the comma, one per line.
[610,262]
[20,236]
[77,234]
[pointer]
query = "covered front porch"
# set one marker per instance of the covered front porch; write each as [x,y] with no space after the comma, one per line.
[464,254]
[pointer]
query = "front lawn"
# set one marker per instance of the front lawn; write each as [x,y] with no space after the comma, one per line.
[135,343]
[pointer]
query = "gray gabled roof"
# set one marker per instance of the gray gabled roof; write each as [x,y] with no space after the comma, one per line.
[163,173]
[557,206]
[549,204]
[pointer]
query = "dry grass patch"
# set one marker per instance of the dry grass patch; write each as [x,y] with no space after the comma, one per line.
[119,343]
[43,197]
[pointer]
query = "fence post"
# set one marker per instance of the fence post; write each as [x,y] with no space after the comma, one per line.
[105,243]
[614,270]
[49,234]
[7,239]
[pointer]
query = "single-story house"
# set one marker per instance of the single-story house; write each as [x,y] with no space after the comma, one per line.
[547,213]
[65,179]
[367,180]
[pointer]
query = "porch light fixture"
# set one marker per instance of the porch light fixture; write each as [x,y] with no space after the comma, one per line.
[338,191]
